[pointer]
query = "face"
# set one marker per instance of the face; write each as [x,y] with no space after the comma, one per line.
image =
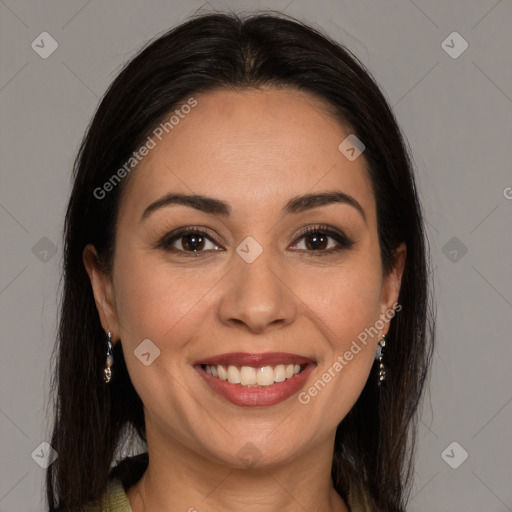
[260,279]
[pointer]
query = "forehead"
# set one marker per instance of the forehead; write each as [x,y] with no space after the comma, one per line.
[251,148]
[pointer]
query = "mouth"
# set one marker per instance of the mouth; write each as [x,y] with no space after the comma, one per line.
[249,376]
[255,379]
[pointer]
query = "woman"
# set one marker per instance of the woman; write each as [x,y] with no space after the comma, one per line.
[246,283]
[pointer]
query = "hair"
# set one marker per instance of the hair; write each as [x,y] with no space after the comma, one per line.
[374,443]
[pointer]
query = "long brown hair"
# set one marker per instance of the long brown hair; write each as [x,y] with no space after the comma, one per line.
[374,442]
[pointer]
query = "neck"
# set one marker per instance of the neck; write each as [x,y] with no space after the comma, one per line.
[180,479]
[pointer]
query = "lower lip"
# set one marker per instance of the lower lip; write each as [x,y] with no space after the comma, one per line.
[256,397]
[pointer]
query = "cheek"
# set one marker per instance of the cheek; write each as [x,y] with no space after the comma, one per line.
[163,306]
[345,305]
[345,299]
[158,302]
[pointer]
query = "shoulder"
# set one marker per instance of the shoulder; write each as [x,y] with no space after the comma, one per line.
[125,474]
[114,499]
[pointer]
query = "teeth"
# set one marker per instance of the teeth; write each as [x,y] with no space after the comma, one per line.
[265,376]
[247,376]
[233,375]
[280,373]
[253,377]
[223,374]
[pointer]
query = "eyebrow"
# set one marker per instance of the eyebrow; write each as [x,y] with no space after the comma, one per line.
[217,207]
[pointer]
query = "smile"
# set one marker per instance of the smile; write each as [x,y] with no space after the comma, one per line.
[254,377]
[255,380]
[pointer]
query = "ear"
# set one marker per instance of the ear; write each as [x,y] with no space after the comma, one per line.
[391,284]
[102,289]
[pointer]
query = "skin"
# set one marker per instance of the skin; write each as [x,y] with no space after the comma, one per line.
[254,149]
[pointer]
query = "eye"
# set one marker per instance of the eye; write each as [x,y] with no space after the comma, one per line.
[189,240]
[322,239]
[193,241]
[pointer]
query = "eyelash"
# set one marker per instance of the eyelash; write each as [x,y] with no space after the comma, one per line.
[343,241]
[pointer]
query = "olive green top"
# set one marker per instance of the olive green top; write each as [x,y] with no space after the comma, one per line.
[115,500]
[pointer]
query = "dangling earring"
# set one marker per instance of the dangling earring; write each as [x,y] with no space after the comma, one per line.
[109,360]
[379,356]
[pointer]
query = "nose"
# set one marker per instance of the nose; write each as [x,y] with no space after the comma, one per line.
[256,296]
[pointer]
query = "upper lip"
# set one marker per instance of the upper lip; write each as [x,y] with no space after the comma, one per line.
[249,359]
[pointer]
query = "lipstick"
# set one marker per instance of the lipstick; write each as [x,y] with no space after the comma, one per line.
[263,396]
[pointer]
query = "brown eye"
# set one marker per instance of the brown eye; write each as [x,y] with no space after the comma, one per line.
[316,241]
[323,240]
[193,242]
[189,240]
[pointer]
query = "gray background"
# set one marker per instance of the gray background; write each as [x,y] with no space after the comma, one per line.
[456,114]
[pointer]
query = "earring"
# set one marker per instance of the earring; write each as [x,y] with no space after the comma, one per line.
[109,360]
[379,357]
